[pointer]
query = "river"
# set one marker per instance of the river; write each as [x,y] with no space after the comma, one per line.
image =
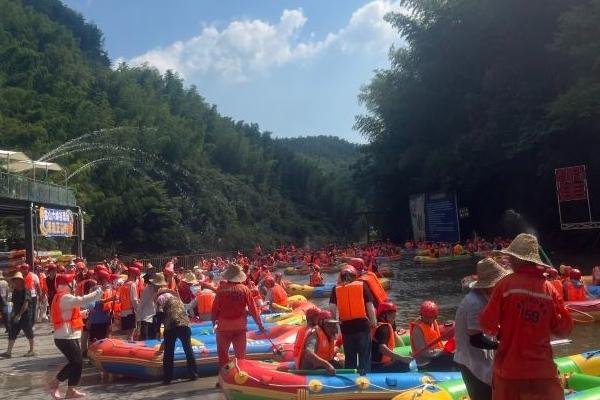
[413,283]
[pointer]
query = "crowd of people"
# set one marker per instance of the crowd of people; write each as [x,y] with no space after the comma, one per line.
[500,342]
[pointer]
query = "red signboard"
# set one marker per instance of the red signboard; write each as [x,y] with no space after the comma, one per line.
[571,183]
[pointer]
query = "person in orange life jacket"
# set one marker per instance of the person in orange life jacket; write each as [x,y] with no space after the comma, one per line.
[316,347]
[565,271]
[99,318]
[275,293]
[19,318]
[574,289]
[42,307]
[426,341]
[384,339]
[169,273]
[32,284]
[202,302]
[523,312]
[316,279]
[371,279]
[68,322]
[312,320]
[474,355]
[557,283]
[229,313]
[129,300]
[351,303]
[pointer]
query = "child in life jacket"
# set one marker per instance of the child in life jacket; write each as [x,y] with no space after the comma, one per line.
[574,289]
[316,278]
[426,341]
[384,340]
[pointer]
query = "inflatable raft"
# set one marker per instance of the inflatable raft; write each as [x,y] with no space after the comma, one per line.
[139,359]
[441,260]
[324,291]
[248,379]
[584,311]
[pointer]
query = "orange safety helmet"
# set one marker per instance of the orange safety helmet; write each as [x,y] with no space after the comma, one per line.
[312,313]
[357,263]
[429,309]
[269,282]
[386,307]
[575,274]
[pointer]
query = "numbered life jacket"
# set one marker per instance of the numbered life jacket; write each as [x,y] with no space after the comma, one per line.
[325,346]
[75,323]
[316,279]
[378,292]
[279,296]
[391,342]
[125,296]
[350,301]
[431,334]
[204,301]
[574,292]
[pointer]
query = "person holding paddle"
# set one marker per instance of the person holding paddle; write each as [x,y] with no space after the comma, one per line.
[523,312]
[426,339]
[474,351]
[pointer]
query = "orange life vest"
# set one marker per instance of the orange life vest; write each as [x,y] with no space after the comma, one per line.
[125,296]
[325,346]
[574,292]
[350,301]
[316,279]
[204,301]
[558,285]
[28,280]
[43,283]
[279,296]
[107,305]
[391,343]
[375,287]
[172,285]
[431,334]
[76,322]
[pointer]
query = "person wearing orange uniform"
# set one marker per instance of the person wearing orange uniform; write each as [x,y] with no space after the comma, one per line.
[275,293]
[316,279]
[169,272]
[384,340]
[232,303]
[574,289]
[426,341]
[371,279]
[316,346]
[554,279]
[129,301]
[351,303]
[523,312]
[68,323]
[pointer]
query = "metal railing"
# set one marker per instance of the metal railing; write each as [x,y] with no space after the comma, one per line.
[23,188]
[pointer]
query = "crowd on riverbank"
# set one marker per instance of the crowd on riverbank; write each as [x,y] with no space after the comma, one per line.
[136,300]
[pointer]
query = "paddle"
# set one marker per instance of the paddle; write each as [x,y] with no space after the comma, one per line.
[545,256]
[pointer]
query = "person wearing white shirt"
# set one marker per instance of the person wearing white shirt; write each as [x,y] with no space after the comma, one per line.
[68,323]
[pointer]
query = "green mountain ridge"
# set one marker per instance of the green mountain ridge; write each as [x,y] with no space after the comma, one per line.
[179,176]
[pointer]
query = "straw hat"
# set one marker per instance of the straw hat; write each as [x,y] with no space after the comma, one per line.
[17,275]
[489,272]
[159,279]
[525,247]
[189,277]
[234,273]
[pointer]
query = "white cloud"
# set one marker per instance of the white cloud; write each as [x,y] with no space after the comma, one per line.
[245,48]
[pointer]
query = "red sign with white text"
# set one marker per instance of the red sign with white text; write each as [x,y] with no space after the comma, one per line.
[571,183]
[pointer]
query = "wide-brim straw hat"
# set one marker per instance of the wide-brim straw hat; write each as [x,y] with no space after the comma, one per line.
[489,272]
[525,247]
[16,275]
[189,278]
[234,273]
[159,279]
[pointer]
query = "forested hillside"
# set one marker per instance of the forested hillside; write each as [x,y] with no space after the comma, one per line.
[487,99]
[330,153]
[175,176]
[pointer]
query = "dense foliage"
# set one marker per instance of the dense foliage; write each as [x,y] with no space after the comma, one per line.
[487,98]
[179,177]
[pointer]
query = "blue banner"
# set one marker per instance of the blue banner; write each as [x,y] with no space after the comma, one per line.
[441,219]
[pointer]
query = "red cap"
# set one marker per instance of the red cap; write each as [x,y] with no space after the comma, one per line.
[50,266]
[325,315]
[429,309]
[114,277]
[80,265]
[385,307]
[138,264]
[269,282]
[103,274]
[24,267]
[312,313]
[133,271]
[357,263]
[64,279]
[348,270]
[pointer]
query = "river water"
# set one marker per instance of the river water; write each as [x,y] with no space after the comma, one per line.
[414,283]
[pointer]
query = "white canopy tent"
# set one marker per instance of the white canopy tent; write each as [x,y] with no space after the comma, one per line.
[18,162]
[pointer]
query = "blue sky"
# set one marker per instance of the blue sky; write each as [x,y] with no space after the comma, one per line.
[293,67]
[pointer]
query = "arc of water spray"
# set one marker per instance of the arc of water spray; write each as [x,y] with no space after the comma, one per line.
[95,162]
